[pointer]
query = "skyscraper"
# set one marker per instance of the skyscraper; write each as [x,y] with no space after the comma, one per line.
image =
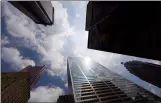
[123,27]
[15,87]
[65,99]
[146,71]
[41,12]
[91,82]
[34,73]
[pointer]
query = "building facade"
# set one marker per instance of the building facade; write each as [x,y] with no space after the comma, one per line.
[15,87]
[146,71]
[91,82]
[65,99]
[41,12]
[125,27]
[35,73]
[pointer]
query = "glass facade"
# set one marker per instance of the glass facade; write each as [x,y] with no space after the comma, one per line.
[91,82]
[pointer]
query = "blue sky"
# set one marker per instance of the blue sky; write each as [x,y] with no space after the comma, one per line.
[25,43]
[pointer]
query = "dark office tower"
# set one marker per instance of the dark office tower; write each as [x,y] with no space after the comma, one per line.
[91,82]
[41,12]
[65,99]
[146,71]
[34,73]
[15,87]
[130,28]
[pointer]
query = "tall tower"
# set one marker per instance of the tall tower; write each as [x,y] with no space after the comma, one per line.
[65,99]
[15,87]
[91,82]
[34,73]
[41,12]
[152,74]
[125,28]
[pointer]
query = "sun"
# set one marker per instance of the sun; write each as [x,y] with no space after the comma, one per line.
[87,62]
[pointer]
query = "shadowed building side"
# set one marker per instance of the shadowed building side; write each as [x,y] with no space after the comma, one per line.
[65,99]
[129,28]
[148,72]
[70,90]
[41,12]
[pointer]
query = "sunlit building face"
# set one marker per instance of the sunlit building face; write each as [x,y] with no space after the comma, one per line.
[91,82]
[88,62]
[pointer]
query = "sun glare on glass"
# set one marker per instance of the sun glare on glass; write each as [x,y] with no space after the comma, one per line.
[87,62]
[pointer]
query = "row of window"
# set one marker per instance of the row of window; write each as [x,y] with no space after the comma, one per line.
[100,87]
[79,83]
[80,87]
[106,91]
[89,101]
[16,94]
[84,91]
[89,97]
[115,98]
[112,95]
[89,93]
[96,83]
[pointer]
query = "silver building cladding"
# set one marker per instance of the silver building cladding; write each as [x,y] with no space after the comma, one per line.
[90,82]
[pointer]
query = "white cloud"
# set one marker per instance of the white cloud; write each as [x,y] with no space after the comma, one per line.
[19,30]
[13,56]
[66,85]
[61,23]
[83,4]
[80,4]
[110,60]
[16,22]
[48,41]
[45,94]
[77,15]
[4,41]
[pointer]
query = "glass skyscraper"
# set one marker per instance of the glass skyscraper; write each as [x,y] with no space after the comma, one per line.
[90,82]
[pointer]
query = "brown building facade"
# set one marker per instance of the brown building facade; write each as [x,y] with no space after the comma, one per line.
[15,87]
[35,73]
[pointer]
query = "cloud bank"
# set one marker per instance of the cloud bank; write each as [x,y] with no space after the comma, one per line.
[45,94]
[13,56]
[47,41]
